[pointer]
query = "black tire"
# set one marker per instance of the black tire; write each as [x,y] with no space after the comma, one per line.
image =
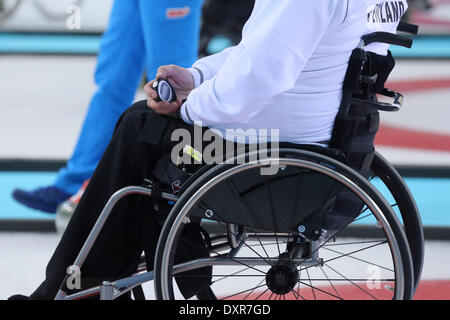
[206,293]
[360,181]
[408,210]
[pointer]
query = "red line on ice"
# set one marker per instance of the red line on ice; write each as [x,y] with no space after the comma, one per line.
[424,18]
[419,85]
[412,139]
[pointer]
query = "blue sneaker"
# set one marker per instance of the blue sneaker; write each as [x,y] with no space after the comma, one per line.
[44,199]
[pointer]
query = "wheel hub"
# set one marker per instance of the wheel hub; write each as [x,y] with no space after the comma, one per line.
[282,278]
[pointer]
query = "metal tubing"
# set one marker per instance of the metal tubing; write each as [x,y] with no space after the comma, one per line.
[106,291]
[115,198]
[200,263]
[83,294]
[134,280]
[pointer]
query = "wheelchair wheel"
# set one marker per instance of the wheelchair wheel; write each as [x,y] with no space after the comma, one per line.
[404,201]
[274,262]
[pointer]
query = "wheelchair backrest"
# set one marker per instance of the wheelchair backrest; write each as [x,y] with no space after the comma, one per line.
[358,119]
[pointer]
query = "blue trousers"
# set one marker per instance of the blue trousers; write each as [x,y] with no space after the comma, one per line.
[141,35]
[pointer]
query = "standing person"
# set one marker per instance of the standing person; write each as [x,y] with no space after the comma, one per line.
[141,35]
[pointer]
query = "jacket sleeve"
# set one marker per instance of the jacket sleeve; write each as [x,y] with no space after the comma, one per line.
[207,67]
[267,62]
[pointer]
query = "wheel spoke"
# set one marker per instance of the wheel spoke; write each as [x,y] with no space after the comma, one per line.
[295,294]
[331,283]
[239,237]
[268,244]
[356,251]
[233,274]
[344,255]
[254,289]
[359,259]
[363,217]
[352,282]
[231,258]
[244,291]
[298,292]
[320,290]
[312,288]
[351,243]
[262,293]
[365,208]
[272,210]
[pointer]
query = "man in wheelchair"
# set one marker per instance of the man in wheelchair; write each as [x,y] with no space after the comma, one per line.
[287,74]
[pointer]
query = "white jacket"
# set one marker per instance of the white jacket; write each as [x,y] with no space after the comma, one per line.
[287,71]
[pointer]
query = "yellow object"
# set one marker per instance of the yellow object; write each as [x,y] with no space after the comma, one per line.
[196,155]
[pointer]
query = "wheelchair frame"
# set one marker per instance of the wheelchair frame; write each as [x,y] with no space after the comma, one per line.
[410,216]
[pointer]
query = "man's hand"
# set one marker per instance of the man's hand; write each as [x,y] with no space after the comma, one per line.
[181,81]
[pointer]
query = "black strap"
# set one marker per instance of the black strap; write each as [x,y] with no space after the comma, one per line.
[408,27]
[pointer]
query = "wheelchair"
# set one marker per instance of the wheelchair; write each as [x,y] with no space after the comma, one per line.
[235,233]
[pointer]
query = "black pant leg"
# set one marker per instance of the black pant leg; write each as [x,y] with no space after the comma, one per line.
[126,162]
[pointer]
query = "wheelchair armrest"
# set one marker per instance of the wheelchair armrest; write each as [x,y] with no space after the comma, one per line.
[387,37]
[393,106]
